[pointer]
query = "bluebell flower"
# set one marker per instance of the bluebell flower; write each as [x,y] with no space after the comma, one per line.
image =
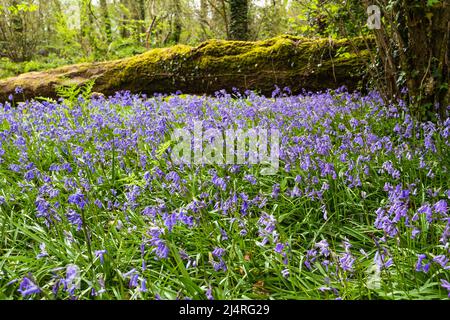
[133,281]
[279,248]
[223,235]
[150,211]
[43,252]
[323,247]
[443,261]
[415,232]
[275,191]
[382,260]
[98,203]
[72,280]
[100,254]
[219,265]
[78,199]
[251,179]
[159,245]
[446,285]
[143,285]
[209,295]
[440,207]
[346,262]
[218,252]
[75,219]
[420,266]
[28,287]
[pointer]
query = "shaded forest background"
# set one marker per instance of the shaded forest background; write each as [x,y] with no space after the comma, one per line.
[41,34]
[410,51]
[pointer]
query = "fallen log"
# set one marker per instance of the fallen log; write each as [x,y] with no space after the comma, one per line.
[295,62]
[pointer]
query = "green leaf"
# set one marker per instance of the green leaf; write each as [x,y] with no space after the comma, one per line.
[431,3]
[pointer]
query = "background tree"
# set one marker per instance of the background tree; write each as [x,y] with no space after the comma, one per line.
[106,20]
[176,25]
[414,46]
[239,19]
[19,30]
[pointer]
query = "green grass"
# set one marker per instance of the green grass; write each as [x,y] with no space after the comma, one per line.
[52,134]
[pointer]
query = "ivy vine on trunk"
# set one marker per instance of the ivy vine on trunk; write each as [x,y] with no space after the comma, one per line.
[413,45]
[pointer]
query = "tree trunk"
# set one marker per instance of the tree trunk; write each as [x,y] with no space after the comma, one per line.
[176,23]
[204,19]
[106,20]
[239,19]
[124,32]
[428,42]
[142,14]
[414,45]
[87,41]
[298,63]
[17,29]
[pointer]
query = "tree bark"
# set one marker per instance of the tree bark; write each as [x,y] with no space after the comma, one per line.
[124,32]
[239,19]
[87,40]
[428,42]
[176,23]
[298,63]
[414,45]
[106,20]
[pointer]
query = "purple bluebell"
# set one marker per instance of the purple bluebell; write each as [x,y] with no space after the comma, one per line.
[100,254]
[446,285]
[209,294]
[75,219]
[420,266]
[160,247]
[218,252]
[28,287]
[78,199]
[72,280]
[43,252]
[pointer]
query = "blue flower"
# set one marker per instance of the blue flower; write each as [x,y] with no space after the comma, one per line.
[420,266]
[279,248]
[78,199]
[159,245]
[346,262]
[143,285]
[209,295]
[43,252]
[100,254]
[440,207]
[446,285]
[442,260]
[251,179]
[28,287]
[75,219]
[72,280]
[323,247]
[218,252]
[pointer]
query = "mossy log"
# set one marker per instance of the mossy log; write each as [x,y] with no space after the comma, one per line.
[295,62]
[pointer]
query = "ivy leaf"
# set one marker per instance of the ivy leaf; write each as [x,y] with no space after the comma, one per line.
[431,3]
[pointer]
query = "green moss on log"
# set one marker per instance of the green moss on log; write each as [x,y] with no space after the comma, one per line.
[300,63]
